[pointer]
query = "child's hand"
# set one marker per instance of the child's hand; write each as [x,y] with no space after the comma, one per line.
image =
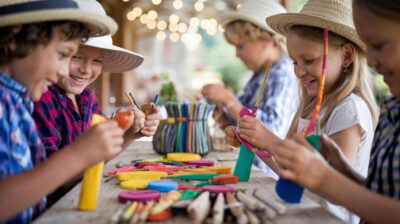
[101,142]
[255,132]
[138,121]
[230,136]
[151,123]
[301,163]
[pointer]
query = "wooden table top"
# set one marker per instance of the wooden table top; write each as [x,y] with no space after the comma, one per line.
[65,210]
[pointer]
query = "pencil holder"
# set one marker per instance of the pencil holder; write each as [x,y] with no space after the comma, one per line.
[185,130]
[288,190]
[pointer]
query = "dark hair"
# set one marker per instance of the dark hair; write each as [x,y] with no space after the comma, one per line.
[384,8]
[28,36]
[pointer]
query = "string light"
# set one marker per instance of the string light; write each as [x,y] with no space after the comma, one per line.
[137,11]
[151,24]
[156,2]
[182,27]
[173,19]
[194,21]
[152,14]
[162,25]
[173,27]
[199,6]
[143,19]
[161,35]
[178,4]
[174,37]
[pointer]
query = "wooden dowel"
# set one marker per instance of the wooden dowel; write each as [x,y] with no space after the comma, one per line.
[218,209]
[200,207]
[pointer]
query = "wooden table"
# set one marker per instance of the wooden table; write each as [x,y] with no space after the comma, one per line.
[65,210]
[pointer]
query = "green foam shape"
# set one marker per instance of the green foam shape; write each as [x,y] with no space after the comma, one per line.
[244,163]
[314,141]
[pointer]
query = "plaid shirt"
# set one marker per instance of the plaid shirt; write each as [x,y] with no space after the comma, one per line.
[384,166]
[279,102]
[58,122]
[20,145]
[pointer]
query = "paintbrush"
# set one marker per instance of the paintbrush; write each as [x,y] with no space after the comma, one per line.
[134,101]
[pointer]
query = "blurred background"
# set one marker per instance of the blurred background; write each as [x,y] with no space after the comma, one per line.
[183,43]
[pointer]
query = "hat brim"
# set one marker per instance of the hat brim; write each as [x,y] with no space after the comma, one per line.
[229,17]
[282,23]
[98,27]
[118,60]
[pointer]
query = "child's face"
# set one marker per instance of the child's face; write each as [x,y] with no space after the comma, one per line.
[307,56]
[251,53]
[85,68]
[44,65]
[382,38]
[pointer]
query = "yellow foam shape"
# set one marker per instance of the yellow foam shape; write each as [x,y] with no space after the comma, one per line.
[182,157]
[220,169]
[91,179]
[134,184]
[137,175]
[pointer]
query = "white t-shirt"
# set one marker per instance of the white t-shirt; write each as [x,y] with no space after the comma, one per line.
[353,110]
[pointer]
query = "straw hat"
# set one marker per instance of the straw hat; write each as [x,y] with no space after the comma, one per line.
[90,12]
[255,12]
[336,15]
[117,59]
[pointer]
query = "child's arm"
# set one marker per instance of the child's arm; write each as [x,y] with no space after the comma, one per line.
[306,167]
[24,190]
[336,158]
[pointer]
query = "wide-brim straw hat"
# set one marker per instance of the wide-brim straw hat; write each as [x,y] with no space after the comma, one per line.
[116,59]
[89,12]
[335,15]
[255,12]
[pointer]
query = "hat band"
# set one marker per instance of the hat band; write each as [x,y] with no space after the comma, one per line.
[38,5]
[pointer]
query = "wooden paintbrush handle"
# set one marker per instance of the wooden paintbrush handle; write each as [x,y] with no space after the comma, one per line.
[218,209]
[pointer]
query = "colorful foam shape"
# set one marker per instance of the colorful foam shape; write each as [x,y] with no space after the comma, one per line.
[139,196]
[163,185]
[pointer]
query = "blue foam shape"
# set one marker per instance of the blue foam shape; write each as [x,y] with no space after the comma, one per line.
[163,185]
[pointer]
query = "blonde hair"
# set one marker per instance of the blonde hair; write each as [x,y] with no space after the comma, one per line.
[356,79]
[240,30]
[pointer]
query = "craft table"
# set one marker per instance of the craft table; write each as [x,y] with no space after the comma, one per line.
[65,210]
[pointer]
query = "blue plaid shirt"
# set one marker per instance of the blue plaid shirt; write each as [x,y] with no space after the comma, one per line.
[279,102]
[20,145]
[384,166]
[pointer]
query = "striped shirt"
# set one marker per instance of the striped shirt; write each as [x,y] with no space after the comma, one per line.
[279,102]
[58,122]
[20,145]
[384,167]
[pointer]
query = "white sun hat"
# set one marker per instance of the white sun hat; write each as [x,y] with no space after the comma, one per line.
[335,15]
[255,12]
[89,12]
[116,59]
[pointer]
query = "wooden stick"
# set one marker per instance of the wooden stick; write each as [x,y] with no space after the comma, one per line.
[268,211]
[116,216]
[249,202]
[252,217]
[146,211]
[279,207]
[200,207]
[218,210]
[237,211]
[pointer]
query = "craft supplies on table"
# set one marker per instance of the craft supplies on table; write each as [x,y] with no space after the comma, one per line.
[139,196]
[163,185]
[185,130]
